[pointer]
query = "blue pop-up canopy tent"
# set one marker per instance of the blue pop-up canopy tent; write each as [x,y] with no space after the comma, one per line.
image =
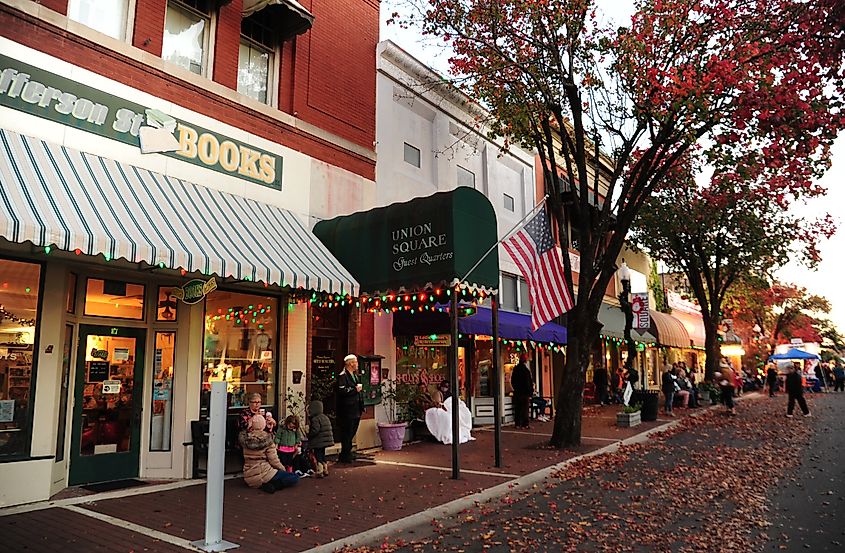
[794,354]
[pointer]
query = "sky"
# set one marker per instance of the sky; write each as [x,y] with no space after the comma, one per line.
[820,281]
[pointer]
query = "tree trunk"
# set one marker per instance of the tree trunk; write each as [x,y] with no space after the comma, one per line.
[712,349]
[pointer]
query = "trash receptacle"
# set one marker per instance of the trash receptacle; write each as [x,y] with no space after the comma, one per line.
[649,399]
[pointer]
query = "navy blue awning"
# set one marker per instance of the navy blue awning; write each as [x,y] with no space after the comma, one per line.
[512,326]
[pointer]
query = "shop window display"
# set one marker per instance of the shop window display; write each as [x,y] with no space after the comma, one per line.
[240,346]
[114,298]
[162,400]
[20,286]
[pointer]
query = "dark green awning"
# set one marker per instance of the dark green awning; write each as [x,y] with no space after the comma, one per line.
[425,242]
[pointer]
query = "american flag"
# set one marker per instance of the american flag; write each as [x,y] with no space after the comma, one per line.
[534,252]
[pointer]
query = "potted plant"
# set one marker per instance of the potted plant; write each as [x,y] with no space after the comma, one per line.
[629,416]
[392,432]
[709,390]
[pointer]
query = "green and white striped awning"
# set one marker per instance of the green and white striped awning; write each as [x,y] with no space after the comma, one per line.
[59,197]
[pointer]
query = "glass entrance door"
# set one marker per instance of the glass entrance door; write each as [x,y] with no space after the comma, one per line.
[107,404]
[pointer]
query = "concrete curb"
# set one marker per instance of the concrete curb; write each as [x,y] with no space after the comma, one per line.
[457,505]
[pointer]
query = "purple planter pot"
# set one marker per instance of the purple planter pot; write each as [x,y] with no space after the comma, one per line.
[391,435]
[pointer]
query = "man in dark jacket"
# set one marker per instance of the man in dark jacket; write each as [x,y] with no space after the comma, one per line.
[523,388]
[600,382]
[772,380]
[795,390]
[350,406]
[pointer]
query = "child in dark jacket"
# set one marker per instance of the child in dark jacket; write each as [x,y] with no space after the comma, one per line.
[319,436]
[795,389]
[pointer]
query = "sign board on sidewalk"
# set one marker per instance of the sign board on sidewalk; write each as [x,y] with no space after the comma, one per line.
[639,305]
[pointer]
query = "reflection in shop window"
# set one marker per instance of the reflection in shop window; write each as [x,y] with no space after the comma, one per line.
[166,306]
[162,400]
[19,293]
[240,346]
[114,298]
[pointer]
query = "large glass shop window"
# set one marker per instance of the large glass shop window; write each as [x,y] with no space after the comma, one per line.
[19,292]
[425,364]
[240,346]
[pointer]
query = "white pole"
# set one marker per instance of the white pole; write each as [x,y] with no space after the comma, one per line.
[214,473]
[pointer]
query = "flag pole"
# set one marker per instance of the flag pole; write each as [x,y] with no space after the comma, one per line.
[502,239]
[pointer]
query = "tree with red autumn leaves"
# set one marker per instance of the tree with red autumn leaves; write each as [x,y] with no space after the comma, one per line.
[615,110]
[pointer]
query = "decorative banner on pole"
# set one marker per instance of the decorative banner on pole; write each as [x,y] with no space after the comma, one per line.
[639,305]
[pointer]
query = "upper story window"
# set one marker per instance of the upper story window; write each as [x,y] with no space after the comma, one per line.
[256,57]
[508,202]
[412,155]
[186,31]
[109,18]
[466,177]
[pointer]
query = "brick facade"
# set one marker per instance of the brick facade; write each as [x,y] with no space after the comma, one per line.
[327,75]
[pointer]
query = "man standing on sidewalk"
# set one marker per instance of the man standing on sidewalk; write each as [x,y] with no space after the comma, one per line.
[795,389]
[772,379]
[350,406]
[523,388]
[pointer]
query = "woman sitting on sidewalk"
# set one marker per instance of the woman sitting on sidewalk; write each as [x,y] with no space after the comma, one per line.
[262,468]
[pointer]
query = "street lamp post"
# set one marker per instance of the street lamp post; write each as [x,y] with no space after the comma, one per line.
[625,304]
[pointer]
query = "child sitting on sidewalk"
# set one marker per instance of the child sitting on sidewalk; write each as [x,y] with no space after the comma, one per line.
[288,440]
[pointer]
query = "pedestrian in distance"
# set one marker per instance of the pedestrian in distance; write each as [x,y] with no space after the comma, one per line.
[726,378]
[839,377]
[600,381]
[668,388]
[523,388]
[795,390]
[772,379]
[350,406]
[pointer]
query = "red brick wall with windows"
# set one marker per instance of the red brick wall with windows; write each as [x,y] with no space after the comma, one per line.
[327,75]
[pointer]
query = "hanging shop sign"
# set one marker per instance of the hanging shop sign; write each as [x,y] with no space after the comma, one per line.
[194,290]
[639,305]
[434,341]
[50,96]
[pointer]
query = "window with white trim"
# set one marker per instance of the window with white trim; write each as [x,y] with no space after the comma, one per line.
[412,155]
[256,60]
[466,177]
[186,32]
[109,18]
[508,202]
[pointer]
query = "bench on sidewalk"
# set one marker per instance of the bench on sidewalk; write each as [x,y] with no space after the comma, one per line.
[199,441]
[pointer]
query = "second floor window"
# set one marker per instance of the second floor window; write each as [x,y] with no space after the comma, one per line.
[256,60]
[109,18]
[186,35]
[466,177]
[412,155]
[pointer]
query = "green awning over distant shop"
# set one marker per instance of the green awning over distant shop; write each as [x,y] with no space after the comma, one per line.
[425,242]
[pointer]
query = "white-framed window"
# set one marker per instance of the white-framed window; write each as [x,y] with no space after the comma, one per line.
[412,155]
[187,27]
[257,56]
[466,177]
[508,202]
[110,18]
[514,294]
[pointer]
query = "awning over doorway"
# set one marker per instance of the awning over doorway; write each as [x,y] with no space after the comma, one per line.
[421,243]
[289,17]
[670,331]
[613,325]
[63,198]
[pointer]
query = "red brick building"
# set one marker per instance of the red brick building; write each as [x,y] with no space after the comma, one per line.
[148,148]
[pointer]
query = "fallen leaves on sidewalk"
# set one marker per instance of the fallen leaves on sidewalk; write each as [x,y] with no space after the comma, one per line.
[699,486]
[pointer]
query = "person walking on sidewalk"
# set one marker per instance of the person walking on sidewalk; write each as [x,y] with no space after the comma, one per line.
[262,468]
[600,381]
[772,379]
[726,377]
[795,390]
[839,377]
[523,388]
[350,406]
[319,436]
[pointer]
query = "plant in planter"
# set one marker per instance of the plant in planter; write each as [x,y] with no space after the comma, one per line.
[395,398]
[709,390]
[629,416]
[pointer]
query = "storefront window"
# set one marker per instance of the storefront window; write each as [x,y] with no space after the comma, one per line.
[70,299]
[19,293]
[166,306]
[482,370]
[114,298]
[415,364]
[240,346]
[63,393]
[162,400]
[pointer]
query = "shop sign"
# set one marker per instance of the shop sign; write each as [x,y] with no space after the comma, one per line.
[49,96]
[98,371]
[419,244]
[639,305]
[111,386]
[194,290]
[434,340]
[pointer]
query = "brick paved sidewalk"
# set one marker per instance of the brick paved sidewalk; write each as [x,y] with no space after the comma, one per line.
[353,499]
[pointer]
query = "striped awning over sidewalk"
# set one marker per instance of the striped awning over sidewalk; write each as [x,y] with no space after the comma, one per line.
[55,196]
